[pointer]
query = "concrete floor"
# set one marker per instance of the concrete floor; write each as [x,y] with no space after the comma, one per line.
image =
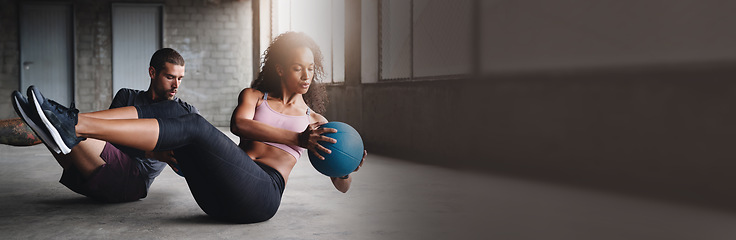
[389,199]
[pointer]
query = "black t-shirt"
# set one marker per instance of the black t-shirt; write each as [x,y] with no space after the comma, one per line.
[128,97]
[125,97]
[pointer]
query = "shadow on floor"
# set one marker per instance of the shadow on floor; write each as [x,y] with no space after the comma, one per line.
[199,219]
[71,201]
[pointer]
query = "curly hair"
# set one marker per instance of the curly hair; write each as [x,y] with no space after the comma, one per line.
[278,53]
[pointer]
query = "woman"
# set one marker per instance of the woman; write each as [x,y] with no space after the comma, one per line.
[239,184]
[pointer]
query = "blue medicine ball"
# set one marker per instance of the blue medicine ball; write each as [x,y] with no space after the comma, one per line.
[346,153]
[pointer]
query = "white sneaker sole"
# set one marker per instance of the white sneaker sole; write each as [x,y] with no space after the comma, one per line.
[54,133]
[38,130]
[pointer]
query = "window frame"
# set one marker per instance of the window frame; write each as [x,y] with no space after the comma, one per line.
[474,54]
[275,31]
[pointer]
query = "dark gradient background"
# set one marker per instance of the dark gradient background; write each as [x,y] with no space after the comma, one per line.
[489,119]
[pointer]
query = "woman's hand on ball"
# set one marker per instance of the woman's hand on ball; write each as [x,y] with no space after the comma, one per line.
[365,153]
[311,136]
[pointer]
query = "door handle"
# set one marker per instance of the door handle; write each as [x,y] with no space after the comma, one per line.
[27,65]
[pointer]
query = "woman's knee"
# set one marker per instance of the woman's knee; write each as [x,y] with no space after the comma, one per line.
[197,127]
[180,131]
[196,122]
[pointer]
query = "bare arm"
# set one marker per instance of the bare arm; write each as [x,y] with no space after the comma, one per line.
[243,125]
[341,184]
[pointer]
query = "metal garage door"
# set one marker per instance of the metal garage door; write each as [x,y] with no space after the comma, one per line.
[46,50]
[136,35]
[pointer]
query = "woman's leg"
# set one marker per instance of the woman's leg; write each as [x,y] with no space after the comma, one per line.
[114,113]
[226,183]
[123,126]
[136,133]
[164,109]
[129,126]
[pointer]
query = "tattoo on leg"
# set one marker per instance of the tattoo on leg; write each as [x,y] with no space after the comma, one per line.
[15,132]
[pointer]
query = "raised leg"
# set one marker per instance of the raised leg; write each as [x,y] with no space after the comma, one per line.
[115,113]
[129,126]
[226,183]
[136,133]
[85,157]
[221,176]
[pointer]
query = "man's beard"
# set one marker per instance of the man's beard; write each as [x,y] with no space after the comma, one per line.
[165,95]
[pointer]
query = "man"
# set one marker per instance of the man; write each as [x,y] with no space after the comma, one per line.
[109,173]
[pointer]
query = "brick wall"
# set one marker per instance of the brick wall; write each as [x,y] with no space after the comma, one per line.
[215,39]
[93,83]
[214,36]
[9,56]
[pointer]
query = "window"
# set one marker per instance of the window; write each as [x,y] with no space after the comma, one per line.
[424,39]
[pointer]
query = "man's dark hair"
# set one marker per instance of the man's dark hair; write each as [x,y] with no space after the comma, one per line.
[163,56]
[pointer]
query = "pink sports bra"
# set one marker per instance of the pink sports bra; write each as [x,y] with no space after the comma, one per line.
[276,119]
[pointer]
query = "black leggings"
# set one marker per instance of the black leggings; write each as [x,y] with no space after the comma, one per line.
[226,183]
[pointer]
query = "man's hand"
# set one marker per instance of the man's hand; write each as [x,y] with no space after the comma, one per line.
[164,156]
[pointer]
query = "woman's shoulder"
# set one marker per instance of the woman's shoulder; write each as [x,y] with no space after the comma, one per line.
[316,117]
[250,92]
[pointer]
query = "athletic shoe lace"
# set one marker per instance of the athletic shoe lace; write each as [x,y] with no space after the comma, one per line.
[70,112]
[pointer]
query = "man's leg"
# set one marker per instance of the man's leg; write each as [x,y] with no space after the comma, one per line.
[92,167]
[101,171]
[15,132]
[96,169]
[117,180]
[85,156]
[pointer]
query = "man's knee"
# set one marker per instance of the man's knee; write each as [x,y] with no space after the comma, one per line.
[85,156]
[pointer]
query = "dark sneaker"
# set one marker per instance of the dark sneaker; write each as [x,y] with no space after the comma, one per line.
[59,120]
[27,112]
